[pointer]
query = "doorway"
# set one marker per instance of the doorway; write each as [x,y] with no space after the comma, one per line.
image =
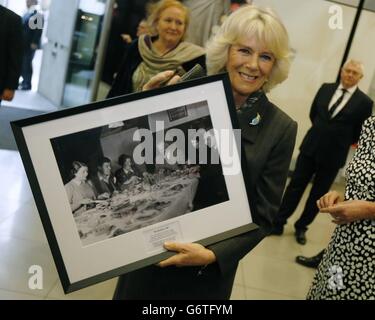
[31,99]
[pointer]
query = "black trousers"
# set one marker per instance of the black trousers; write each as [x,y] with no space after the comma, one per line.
[27,68]
[306,168]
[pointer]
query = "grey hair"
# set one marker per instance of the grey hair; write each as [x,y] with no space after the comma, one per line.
[249,21]
[357,63]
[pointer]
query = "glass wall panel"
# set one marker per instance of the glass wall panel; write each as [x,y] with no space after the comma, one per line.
[81,69]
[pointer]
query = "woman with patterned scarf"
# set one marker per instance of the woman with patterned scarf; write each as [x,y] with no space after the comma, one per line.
[166,50]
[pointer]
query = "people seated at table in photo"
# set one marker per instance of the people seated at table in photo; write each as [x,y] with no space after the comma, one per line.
[165,50]
[104,180]
[128,174]
[80,191]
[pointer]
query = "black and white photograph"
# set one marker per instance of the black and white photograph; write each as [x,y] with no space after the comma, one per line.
[110,194]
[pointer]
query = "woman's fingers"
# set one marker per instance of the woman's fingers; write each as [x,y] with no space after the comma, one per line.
[172,261]
[329,199]
[174,80]
[176,259]
[188,254]
[157,80]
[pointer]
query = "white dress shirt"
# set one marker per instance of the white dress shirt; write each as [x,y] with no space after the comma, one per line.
[337,95]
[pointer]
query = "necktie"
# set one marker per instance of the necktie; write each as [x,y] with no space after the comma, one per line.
[337,103]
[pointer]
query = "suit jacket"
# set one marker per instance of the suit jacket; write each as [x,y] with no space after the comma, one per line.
[102,186]
[268,148]
[11,49]
[328,140]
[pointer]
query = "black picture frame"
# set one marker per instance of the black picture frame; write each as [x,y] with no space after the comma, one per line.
[80,265]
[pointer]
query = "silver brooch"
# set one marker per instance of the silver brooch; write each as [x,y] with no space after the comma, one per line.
[256,120]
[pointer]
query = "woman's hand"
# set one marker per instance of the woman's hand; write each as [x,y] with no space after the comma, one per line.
[7,95]
[194,170]
[188,254]
[132,180]
[86,201]
[329,199]
[352,210]
[126,38]
[104,196]
[166,77]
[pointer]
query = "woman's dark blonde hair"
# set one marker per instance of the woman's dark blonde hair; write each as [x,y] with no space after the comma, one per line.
[155,10]
[76,165]
[252,21]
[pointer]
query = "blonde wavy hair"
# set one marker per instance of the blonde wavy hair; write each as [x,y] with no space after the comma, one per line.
[155,10]
[252,21]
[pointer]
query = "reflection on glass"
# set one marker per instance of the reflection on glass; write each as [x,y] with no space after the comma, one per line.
[81,69]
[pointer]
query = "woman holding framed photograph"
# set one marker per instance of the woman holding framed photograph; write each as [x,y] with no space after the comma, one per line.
[252,45]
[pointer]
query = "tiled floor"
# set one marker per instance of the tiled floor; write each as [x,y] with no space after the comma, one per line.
[268,272]
[30,100]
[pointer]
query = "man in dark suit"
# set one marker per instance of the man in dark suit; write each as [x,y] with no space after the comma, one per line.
[337,114]
[125,18]
[32,37]
[10,52]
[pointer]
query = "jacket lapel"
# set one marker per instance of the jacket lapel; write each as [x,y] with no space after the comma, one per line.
[330,93]
[250,132]
[349,103]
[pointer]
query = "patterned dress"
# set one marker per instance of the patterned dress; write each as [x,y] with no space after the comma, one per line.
[347,270]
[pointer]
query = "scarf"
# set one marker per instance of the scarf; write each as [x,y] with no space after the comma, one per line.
[153,63]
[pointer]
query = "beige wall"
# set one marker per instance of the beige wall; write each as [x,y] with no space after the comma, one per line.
[319,51]
[363,49]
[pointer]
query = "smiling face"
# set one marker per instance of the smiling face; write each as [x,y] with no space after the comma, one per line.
[249,65]
[171,25]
